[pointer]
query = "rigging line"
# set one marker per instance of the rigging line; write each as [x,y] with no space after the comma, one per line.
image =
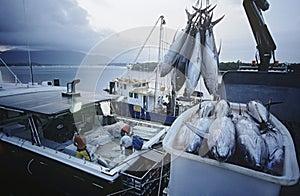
[27,42]
[161,17]
[16,77]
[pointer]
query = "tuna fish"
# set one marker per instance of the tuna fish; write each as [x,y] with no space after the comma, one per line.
[222,109]
[200,131]
[193,70]
[201,128]
[172,55]
[274,141]
[221,138]
[184,59]
[194,67]
[207,109]
[210,58]
[258,111]
[251,146]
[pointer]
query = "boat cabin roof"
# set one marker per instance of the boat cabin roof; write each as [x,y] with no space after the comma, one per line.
[128,81]
[143,91]
[48,102]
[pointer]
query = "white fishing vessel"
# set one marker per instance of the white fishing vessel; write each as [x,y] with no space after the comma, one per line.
[154,95]
[37,126]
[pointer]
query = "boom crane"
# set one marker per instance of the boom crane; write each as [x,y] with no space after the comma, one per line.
[265,43]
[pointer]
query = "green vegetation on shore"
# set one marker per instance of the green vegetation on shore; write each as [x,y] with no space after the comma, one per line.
[223,66]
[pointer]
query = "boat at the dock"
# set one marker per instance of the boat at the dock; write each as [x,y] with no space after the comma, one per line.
[37,126]
[202,132]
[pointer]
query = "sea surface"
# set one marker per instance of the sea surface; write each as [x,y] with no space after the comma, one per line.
[65,73]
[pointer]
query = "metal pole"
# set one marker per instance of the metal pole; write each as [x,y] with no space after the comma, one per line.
[162,22]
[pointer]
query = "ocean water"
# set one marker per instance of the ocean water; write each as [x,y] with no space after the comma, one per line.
[64,73]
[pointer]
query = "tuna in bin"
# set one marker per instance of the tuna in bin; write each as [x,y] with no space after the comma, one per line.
[244,138]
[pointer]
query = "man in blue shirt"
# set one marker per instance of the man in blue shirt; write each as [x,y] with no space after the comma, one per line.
[126,140]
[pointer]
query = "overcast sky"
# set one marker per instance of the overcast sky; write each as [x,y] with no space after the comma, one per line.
[81,25]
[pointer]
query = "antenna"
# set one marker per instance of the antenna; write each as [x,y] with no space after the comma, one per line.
[27,42]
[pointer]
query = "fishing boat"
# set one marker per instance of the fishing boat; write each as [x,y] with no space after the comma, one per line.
[155,97]
[37,152]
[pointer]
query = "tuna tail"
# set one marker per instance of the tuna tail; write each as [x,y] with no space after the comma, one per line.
[190,16]
[217,21]
[211,9]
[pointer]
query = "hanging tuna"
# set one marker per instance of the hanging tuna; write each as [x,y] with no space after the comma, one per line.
[194,54]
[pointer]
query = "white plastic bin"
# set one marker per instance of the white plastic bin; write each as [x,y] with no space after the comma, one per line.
[194,175]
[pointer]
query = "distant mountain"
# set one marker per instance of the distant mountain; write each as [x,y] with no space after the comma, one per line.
[42,57]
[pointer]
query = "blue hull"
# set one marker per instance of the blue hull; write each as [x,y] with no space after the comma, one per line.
[151,116]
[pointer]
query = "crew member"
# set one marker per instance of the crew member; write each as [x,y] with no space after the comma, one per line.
[126,140]
[80,142]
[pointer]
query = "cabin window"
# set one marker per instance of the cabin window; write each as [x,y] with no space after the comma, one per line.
[136,95]
[15,123]
[7,116]
[61,128]
[125,86]
[130,94]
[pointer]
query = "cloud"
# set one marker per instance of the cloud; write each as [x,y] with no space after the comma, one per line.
[55,24]
[80,24]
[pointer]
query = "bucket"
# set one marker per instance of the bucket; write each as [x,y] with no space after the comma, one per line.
[195,175]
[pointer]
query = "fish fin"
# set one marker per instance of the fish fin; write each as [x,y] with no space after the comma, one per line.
[198,2]
[195,130]
[268,105]
[190,16]
[211,9]
[219,51]
[195,8]
[217,21]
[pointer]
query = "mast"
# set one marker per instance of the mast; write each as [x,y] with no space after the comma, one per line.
[162,22]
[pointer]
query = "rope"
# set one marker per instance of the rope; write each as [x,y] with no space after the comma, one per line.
[16,77]
[143,46]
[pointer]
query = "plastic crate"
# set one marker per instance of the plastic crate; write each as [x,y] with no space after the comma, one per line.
[148,175]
